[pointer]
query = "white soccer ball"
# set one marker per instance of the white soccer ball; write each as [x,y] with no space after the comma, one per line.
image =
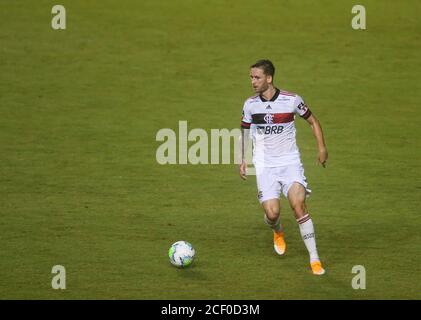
[181,254]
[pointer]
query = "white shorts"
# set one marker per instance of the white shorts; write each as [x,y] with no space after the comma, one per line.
[272,180]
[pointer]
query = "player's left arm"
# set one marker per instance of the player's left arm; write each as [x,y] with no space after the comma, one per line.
[318,134]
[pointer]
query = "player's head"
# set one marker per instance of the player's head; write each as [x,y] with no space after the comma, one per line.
[261,75]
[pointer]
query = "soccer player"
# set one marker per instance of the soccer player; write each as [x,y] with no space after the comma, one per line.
[268,117]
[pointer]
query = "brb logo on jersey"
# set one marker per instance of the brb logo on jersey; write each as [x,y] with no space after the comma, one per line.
[269,129]
[276,129]
[268,118]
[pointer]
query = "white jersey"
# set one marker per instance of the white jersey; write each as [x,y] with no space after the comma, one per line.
[272,129]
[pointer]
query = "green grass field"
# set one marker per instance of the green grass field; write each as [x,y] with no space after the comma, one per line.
[80,185]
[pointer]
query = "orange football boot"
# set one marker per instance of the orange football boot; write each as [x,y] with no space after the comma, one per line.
[279,243]
[317,268]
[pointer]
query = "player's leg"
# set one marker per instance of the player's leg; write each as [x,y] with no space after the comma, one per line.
[273,220]
[269,191]
[296,197]
[272,214]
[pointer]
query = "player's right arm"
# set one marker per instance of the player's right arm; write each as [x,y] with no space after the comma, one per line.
[244,142]
[244,139]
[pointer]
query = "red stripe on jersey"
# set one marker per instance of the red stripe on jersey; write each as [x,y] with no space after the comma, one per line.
[283,117]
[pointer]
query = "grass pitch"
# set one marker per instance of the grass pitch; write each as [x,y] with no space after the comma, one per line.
[80,186]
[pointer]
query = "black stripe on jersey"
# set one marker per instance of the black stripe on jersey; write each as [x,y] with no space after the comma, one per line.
[307,114]
[259,118]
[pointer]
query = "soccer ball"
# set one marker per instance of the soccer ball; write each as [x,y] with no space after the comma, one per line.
[181,254]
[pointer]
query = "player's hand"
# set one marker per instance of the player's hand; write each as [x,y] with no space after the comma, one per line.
[322,158]
[243,167]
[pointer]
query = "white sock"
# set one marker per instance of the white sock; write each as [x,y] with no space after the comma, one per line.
[276,226]
[307,233]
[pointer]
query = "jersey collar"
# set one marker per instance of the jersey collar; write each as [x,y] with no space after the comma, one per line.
[275,96]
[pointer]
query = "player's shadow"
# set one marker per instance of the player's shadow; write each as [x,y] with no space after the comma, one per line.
[191,272]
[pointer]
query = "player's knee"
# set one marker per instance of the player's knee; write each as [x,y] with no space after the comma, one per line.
[299,208]
[272,214]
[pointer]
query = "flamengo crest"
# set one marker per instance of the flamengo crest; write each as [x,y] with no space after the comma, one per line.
[268,118]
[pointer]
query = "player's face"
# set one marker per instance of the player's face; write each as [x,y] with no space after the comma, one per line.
[259,81]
